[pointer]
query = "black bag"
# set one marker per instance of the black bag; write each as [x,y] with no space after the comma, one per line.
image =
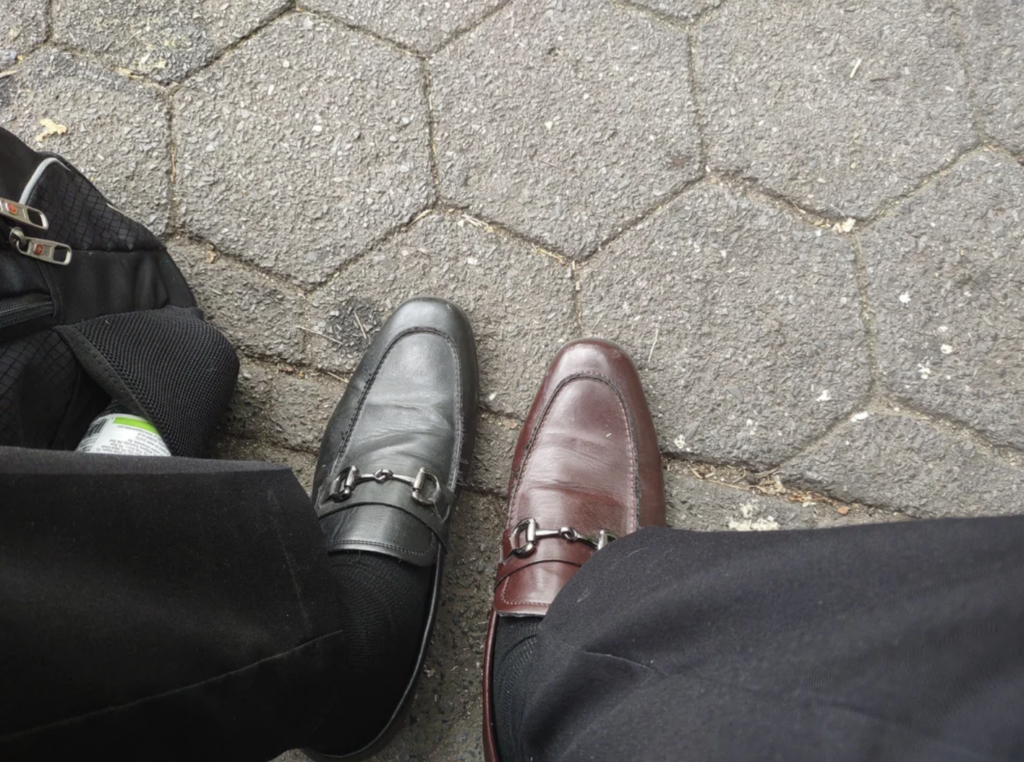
[93,309]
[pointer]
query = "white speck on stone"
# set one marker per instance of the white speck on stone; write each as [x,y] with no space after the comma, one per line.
[286,64]
[680,442]
[943,328]
[765,524]
[318,128]
[549,125]
[825,396]
[946,349]
[861,416]
[491,396]
[905,297]
[924,372]
[472,261]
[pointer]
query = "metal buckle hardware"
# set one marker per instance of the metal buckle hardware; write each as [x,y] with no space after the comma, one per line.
[20,213]
[344,484]
[38,248]
[533,534]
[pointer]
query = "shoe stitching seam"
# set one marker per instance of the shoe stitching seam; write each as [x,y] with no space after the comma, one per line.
[629,427]
[632,465]
[460,413]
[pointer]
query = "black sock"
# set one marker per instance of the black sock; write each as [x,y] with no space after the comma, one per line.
[514,646]
[384,605]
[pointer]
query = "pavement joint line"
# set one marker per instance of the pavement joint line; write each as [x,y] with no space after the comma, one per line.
[362,30]
[759,194]
[700,118]
[458,34]
[958,35]
[674,22]
[892,204]
[173,210]
[501,229]
[388,235]
[435,165]
[231,47]
[184,236]
[577,293]
[49,24]
[643,216]
[867,315]
[763,484]
[1006,455]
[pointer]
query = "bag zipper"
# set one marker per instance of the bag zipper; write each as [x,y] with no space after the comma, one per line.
[43,249]
[21,213]
[21,309]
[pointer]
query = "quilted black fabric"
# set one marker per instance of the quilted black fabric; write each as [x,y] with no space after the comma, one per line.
[118,322]
[37,380]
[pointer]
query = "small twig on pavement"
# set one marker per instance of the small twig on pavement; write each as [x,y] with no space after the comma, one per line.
[321,335]
[362,330]
[653,344]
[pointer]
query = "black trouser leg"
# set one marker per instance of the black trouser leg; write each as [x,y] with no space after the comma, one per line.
[893,642]
[161,608]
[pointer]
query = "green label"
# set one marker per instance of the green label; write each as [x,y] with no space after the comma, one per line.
[137,423]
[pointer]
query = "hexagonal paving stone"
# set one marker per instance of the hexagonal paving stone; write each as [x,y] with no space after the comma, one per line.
[492,457]
[162,39]
[303,464]
[520,302]
[744,321]
[22,27]
[117,131]
[299,149]
[540,127]
[684,9]
[946,284]
[838,106]
[423,25]
[260,316]
[994,49]
[907,465]
[281,406]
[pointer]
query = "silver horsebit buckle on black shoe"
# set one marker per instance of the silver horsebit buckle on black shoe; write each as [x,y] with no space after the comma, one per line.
[528,527]
[344,484]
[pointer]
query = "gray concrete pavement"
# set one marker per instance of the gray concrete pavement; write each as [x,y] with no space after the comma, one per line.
[804,219]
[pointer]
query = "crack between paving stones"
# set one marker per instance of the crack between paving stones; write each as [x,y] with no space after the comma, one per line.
[645,215]
[892,204]
[577,296]
[435,164]
[957,32]
[766,484]
[698,109]
[867,316]
[760,194]
[500,229]
[231,47]
[382,240]
[675,23]
[185,237]
[1004,454]
[328,17]
[458,34]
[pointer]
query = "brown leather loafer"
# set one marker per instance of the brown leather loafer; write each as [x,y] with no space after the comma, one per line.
[586,470]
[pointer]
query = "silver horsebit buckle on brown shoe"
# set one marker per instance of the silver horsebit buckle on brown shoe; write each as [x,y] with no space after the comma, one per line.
[527,529]
[350,478]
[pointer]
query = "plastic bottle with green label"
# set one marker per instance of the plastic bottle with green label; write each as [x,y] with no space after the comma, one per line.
[117,432]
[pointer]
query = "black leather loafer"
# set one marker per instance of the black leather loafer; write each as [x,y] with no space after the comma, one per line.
[395,452]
